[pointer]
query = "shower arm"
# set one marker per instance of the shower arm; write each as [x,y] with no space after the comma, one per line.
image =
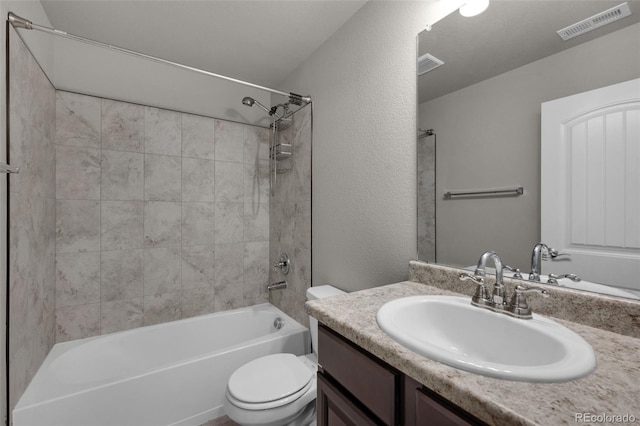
[19,22]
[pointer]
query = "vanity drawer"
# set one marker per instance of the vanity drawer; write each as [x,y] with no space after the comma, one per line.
[373,383]
[434,411]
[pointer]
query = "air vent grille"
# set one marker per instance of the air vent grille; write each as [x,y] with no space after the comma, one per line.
[596,21]
[427,63]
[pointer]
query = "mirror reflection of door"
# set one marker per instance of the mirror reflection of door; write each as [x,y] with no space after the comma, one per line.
[591,183]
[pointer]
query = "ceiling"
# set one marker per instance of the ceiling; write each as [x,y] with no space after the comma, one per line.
[509,34]
[257,41]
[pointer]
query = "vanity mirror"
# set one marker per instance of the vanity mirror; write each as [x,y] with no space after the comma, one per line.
[479,127]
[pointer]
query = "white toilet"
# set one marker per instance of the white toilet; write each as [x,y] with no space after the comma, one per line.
[279,389]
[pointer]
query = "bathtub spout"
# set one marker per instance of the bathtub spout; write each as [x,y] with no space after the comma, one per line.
[277,286]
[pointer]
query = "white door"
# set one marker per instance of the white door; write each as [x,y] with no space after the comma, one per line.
[591,184]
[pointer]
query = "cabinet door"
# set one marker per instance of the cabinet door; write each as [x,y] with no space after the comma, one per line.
[336,409]
[430,411]
[369,380]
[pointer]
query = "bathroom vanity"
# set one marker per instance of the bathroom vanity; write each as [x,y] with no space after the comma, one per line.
[387,395]
[365,377]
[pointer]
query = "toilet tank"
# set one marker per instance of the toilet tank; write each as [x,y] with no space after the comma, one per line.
[319,292]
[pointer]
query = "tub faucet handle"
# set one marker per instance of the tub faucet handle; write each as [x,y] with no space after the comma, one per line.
[283,264]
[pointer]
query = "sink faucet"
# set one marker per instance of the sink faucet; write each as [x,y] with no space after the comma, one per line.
[497,300]
[536,258]
[541,251]
[518,306]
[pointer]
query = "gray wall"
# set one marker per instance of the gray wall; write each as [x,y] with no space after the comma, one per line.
[32,9]
[31,217]
[363,83]
[489,136]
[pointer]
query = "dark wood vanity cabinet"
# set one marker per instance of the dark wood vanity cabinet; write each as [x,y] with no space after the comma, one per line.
[356,388]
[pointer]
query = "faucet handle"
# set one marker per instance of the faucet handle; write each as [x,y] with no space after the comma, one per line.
[481,297]
[283,264]
[516,272]
[519,307]
[553,254]
[475,278]
[553,278]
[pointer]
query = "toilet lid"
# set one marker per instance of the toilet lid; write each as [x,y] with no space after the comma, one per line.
[269,378]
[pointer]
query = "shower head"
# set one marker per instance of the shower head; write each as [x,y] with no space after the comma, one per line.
[250,102]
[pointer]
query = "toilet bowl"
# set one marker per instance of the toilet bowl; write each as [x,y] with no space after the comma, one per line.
[278,389]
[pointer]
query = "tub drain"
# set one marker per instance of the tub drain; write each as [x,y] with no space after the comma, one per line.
[278,323]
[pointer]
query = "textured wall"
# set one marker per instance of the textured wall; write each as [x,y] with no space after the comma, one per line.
[160,215]
[363,84]
[31,217]
[503,141]
[107,73]
[290,218]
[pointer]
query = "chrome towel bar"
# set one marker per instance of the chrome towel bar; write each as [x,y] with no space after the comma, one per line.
[511,191]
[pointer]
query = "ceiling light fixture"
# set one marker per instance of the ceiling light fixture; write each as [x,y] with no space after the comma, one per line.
[466,8]
[473,7]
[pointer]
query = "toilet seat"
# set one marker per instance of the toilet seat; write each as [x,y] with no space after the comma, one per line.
[254,406]
[269,382]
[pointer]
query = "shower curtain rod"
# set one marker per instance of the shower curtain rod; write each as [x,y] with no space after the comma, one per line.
[23,23]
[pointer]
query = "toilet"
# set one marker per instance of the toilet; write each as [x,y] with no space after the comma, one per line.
[278,389]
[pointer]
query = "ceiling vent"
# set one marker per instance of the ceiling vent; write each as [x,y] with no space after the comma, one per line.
[596,21]
[427,63]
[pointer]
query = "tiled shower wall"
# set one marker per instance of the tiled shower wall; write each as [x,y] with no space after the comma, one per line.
[125,215]
[161,215]
[291,218]
[426,188]
[31,217]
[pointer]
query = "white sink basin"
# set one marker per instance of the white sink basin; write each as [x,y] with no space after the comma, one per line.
[449,330]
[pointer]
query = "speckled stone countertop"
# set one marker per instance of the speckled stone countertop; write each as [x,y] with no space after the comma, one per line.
[612,389]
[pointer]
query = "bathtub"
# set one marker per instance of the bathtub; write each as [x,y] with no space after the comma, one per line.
[166,374]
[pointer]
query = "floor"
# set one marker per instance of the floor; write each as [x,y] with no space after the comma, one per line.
[221,421]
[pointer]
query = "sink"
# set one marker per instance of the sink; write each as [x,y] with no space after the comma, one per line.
[450,330]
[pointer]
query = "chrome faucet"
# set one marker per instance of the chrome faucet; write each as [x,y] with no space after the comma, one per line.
[553,278]
[497,299]
[517,307]
[541,251]
[536,258]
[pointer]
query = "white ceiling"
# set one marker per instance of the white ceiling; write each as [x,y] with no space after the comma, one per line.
[258,41]
[509,34]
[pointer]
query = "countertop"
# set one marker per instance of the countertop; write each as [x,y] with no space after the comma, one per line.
[612,389]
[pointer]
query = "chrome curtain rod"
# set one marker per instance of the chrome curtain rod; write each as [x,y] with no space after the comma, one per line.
[23,23]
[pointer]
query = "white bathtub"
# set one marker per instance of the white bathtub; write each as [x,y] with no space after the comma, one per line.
[167,374]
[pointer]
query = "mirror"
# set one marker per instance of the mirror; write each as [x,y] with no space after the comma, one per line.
[481,110]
